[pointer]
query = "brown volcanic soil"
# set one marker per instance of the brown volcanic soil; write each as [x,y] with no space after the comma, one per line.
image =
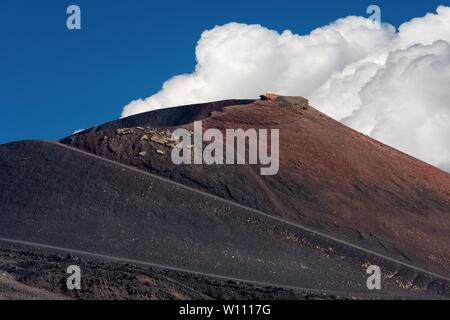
[331,178]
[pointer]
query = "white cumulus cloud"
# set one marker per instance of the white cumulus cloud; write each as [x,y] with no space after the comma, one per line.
[392,85]
[78,131]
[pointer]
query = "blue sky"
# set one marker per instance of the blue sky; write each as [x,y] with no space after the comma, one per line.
[54,80]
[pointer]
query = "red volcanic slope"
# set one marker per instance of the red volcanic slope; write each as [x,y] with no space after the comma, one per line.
[331,178]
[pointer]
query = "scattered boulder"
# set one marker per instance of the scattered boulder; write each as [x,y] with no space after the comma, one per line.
[163,138]
[269,96]
[158,139]
[123,131]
